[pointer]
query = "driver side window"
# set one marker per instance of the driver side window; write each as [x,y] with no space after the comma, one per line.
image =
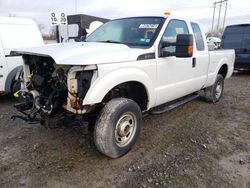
[174,28]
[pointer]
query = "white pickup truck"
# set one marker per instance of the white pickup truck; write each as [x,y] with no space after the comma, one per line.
[125,68]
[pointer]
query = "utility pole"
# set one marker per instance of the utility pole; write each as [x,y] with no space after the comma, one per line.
[220,3]
[75,6]
[225,14]
[213,16]
[218,26]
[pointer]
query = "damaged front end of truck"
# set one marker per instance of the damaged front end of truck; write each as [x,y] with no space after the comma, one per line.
[50,92]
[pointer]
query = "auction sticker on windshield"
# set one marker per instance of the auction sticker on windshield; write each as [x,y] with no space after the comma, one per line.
[148,26]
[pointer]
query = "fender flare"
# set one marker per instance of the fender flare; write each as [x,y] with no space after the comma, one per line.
[212,76]
[10,79]
[103,85]
[216,72]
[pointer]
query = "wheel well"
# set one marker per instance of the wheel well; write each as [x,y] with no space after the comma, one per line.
[10,78]
[131,90]
[223,71]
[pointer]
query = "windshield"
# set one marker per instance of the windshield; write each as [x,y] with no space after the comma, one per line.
[139,31]
[233,37]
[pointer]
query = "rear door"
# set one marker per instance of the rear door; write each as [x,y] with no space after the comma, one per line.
[200,60]
[3,68]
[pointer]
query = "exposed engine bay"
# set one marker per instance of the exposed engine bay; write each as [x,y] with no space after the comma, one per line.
[48,89]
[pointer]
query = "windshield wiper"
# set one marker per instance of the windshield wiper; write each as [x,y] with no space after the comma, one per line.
[111,41]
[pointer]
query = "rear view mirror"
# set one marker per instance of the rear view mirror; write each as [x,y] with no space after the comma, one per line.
[184,46]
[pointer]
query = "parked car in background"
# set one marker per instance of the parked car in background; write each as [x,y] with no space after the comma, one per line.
[238,37]
[214,41]
[15,33]
[78,27]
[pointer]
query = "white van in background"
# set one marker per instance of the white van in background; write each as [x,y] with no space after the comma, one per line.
[215,42]
[15,33]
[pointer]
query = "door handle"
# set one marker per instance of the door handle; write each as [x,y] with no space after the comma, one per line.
[193,62]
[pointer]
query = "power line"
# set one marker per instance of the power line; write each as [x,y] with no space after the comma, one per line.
[246,10]
[235,11]
[242,9]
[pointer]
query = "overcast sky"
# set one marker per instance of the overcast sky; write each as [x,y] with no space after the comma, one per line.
[201,10]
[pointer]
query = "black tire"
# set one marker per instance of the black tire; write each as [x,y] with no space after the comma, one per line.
[212,93]
[117,127]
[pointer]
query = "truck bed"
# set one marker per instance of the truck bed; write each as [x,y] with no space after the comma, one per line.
[218,58]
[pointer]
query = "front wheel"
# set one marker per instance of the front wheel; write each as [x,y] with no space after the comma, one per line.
[117,127]
[214,93]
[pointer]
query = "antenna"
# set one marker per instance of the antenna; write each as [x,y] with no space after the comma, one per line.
[75,6]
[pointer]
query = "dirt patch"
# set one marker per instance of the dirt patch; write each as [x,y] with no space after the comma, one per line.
[197,145]
[237,167]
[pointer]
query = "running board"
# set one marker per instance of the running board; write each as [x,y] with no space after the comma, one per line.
[172,105]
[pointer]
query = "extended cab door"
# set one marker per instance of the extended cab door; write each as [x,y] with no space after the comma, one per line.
[3,68]
[200,57]
[176,76]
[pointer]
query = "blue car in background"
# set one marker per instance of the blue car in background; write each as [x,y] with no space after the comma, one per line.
[238,37]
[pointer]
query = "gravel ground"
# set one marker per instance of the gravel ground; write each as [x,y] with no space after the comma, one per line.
[197,145]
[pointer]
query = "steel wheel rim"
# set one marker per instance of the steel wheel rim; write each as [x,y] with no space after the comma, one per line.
[125,129]
[218,90]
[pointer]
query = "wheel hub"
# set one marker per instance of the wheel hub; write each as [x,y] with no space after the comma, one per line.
[125,129]
[218,90]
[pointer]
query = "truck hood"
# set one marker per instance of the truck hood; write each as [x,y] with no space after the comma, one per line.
[86,53]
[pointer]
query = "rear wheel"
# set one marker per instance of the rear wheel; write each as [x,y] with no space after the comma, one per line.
[214,93]
[117,127]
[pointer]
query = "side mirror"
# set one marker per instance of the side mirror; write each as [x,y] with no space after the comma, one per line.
[183,44]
